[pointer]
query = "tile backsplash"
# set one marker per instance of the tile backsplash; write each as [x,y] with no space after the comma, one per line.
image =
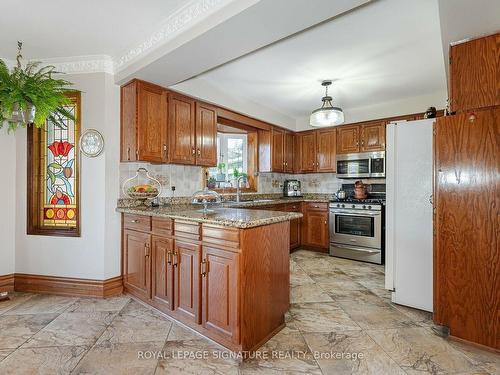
[188,179]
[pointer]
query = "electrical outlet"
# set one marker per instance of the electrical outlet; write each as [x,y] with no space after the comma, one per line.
[172,188]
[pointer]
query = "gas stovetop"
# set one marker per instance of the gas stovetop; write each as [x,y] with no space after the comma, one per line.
[357,204]
[352,200]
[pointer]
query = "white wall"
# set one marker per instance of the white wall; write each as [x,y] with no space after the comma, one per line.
[8,192]
[96,254]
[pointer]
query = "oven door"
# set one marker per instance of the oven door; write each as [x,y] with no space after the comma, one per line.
[356,229]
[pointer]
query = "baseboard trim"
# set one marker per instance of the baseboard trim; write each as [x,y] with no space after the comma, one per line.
[6,283]
[67,286]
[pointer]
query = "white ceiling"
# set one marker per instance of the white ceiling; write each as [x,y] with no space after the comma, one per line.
[62,28]
[386,51]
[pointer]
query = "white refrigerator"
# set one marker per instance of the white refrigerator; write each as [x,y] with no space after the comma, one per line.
[409,216]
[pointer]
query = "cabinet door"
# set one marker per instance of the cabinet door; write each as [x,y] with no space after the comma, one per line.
[373,137]
[277,150]
[295,225]
[152,123]
[220,292]
[308,152]
[347,139]
[289,148]
[206,135]
[137,263]
[474,74]
[128,122]
[181,127]
[187,280]
[162,290]
[315,229]
[327,145]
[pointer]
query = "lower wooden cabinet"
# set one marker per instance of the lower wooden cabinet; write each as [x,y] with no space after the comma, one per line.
[219,270]
[186,264]
[137,262]
[315,225]
[162,285]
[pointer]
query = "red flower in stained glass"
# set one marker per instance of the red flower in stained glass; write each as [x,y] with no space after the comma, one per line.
[60,198]
[60,148]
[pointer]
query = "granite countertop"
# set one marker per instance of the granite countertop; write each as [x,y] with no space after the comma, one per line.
[232,217]
[270,202]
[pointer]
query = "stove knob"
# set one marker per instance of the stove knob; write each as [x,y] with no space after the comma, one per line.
[353,206]
[369,207]
[338,205]
[364,206]
[343,205]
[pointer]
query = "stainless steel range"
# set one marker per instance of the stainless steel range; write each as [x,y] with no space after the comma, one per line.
[356,230]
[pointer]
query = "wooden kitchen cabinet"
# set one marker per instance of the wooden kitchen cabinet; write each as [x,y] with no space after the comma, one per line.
[326,140]
[181,129]
[143,122]
[219,271]
[348,139]
[475,74]
[162,276]
[289,152]
[295,225]
[277,150]
[206,135]
[136,262]
[307,154]
[373,137]
[315,226]
[187,258]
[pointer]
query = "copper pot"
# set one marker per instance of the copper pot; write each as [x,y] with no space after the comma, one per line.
[359,190]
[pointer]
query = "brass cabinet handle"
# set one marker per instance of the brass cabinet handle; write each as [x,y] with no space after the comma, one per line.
[204,267]
[193,151]
[135,221]
[169,257]
[199,152]
[325,222]
[176,258]
[128,153]
[146,250]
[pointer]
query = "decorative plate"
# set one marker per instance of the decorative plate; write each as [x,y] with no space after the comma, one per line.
[91,143]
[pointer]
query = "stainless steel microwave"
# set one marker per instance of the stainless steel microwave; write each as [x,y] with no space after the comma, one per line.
[361,165]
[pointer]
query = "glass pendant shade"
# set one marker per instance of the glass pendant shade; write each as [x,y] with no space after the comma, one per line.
[327,115]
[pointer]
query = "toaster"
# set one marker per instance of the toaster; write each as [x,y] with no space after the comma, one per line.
[291,188]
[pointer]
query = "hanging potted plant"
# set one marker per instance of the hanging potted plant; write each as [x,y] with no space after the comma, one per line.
[30,95]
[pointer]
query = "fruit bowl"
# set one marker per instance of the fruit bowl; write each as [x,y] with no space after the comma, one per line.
[142,186]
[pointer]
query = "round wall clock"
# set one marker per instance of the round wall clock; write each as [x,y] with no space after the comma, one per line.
[91,143]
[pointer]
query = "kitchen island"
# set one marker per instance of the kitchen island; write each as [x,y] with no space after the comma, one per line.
[225,274]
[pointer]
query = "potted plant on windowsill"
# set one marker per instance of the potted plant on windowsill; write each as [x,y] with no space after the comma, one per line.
[221,176]
[30,95]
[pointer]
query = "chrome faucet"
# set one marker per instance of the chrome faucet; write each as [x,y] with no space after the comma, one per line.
[238,191]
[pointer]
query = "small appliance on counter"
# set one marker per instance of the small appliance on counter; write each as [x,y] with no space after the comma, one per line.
[291,188]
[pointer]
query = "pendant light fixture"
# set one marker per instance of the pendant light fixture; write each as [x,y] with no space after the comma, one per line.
[327,115]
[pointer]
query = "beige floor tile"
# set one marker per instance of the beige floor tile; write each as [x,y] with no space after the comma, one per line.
[43,361]
[371,316]
[120,359]
[357,354]
[485,359]
[43,303]
[4,353]
[180,333]
[356,296]
[72,329]
[196,357]
[321,317]
[99,304]
[16,329]
[15,299]
[300,277]
[286,351]
[418,351]
[308,293]
[420,316]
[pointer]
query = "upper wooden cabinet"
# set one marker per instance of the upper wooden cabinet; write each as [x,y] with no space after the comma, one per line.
[475,74]
[373,137]
[326,140]
[143,122]
[276,148]
[182,129]
[306,156]
[206,134]
[348,139]
[159,126]
[289,148]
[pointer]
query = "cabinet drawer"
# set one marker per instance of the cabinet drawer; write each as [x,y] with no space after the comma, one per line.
[223,236]
[294,207]
[316,206]
[162,226]
[137,222]
[187,229]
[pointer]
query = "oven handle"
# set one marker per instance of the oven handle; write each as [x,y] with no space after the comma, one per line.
[356,248]
[351,213]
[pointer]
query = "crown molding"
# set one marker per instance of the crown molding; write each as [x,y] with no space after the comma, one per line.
[191,13]
[76,64]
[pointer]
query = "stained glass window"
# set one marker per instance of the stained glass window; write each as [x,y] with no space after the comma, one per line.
[55,175]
